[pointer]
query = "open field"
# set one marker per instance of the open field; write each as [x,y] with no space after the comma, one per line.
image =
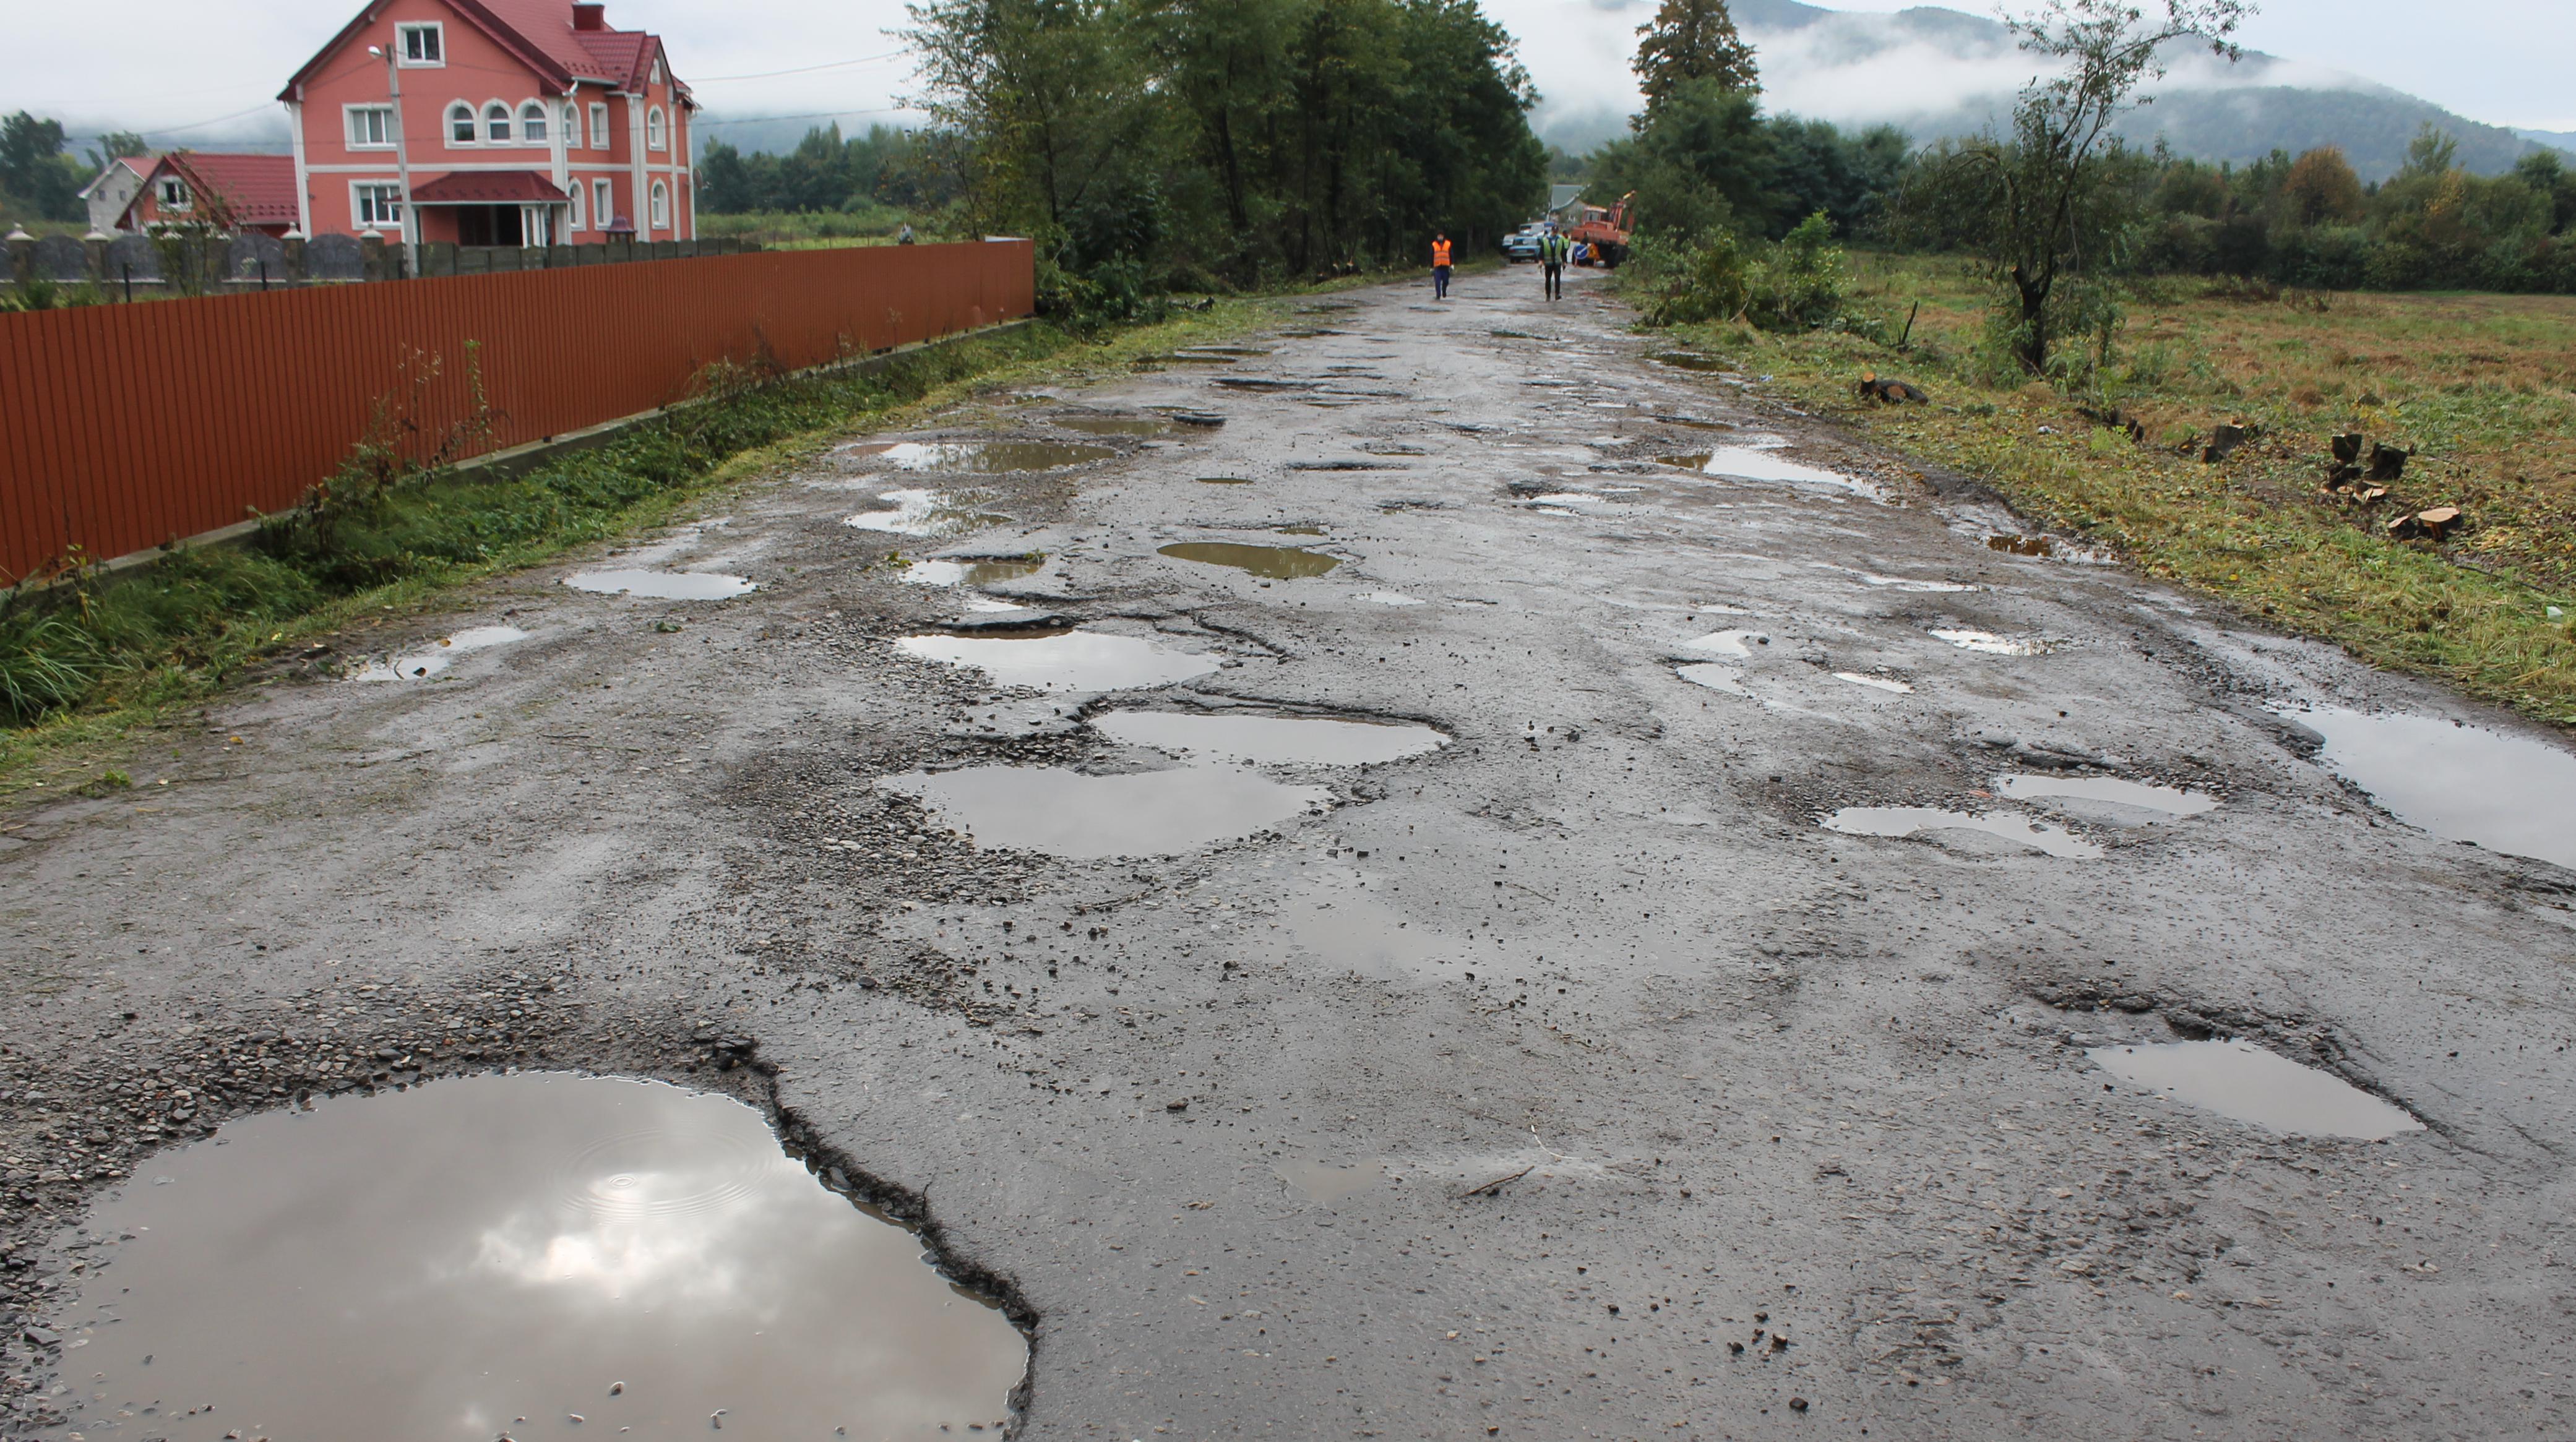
[2482,386]
[814,230]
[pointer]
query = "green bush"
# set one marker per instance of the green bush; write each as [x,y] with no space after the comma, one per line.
[1794,285]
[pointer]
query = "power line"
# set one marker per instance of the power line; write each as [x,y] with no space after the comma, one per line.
[802,69]
[816,115]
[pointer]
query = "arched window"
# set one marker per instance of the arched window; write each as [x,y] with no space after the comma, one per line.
[496,124]
[661,206]
[460,124]
[653,128]
[532,123]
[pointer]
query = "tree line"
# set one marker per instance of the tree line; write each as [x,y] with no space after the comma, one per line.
[40,179]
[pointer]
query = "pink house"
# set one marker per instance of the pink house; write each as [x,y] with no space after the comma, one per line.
[524,122]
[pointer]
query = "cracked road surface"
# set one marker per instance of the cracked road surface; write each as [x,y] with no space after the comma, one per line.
[1572,1079]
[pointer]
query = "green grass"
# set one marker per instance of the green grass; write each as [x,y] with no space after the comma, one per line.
[145,646]
[818,229]
[2483,385]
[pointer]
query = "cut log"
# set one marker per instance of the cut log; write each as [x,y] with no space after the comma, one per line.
[2438,521]
[2347,447]
[2387,463]
[2223,443]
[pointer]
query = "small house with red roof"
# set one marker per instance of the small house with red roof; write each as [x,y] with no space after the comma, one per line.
[235,194]
[114,189]
[522,122]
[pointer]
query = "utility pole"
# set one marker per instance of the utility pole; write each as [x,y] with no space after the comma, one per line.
[402,162]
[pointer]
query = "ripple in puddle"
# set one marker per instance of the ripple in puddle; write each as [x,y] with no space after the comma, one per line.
[1988,642]
[662,585]
[966,573]
[2510,793]
[988,458]
[1271,740]
[1067,813]
[1911,820]
[430,660]
[435,1263]
[2107,790]
[2243,1082]
[1275,563]
[1076,660]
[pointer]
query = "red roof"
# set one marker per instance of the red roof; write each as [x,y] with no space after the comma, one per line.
[540,33]
[243,191]
[488,187]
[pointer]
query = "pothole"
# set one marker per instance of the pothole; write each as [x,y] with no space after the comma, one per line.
[430,660]
[2243,1082]
[1989,643]
[1685,361]
[2019,831]
[1875,683]
[922,513]
[1761,463]
[1077,660]
[990,458]
[1225,480]
[2514,794]
[501,1255]
[662,585]
[1273,563]
[2107,792]
[1738,644]
[1115,425]
[1070,813]
[971,572]
[1270,740]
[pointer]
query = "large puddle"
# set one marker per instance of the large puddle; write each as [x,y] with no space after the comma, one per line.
[662,585]
[430,660]
[1068,813]
[921,513]
[1988,643]
[517,1256]
[2107,791]
[2514,794]
[1270,740]
[1275,563]
[1076,660]
[966,573]
[989,458]
[1915,820]
[1760,463]
[2243,1082]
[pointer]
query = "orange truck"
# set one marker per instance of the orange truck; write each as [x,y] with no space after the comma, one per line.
[1605,232]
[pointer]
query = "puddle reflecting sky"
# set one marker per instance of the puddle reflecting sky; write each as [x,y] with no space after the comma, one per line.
[2244,1082]
[1077,660]
[1274,563]
[2516,794]
[662,585]
[428,1266]
[965,573]
[432,659]
[990,457]
[2169,800]
[921,513]
[1068,813]
[1876,683]
[1270,740]
[1760,463]
[1988,642]
[1911,820]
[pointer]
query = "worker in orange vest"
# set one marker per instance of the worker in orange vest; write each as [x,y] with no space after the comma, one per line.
[1440,266]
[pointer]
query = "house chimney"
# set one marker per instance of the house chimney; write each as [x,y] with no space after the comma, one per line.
[589,15]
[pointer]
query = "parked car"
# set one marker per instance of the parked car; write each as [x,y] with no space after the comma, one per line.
[1522,244]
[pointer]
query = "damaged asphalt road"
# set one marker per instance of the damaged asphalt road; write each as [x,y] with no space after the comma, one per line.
[1569,1079]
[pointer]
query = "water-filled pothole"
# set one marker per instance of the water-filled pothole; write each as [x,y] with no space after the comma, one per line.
[1760,463]
[430,660]
[1076,660]
[2511,793]
[1912,820]
[972,572]
[1275,563]
[1715,675]
[500,1255]
[1115,425]
[2243,1082]
[662,585]
[1270,740]
[2108,791]
[988,458]
[1875,683]
[1070,813]
[1225,480]
[1738,644]
[1684,360]
[1988,643]
[922,513]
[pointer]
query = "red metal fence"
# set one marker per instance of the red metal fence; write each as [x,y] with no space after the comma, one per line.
[123,427]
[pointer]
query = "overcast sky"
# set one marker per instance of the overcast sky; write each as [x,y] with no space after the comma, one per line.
[162,63]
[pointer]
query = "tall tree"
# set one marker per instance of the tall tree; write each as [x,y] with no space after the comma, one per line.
[1692,40]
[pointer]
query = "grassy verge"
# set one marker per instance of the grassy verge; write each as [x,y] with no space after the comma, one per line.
[151,644]
[2483,386]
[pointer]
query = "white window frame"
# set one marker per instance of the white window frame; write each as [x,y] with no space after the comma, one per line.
[656,135]
[603,202]
[573,216]
[171,193]
[473,125]
[353,119]
[538,109]
[498,132]
[661,206]
[599,125]
[381,195]
[407,32]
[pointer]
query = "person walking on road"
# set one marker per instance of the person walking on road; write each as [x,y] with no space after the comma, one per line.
[1551,262]
[1440,266]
